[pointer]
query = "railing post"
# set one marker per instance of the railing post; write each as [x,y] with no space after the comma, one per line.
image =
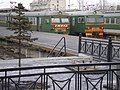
[65,46]
[92,47]
[79,46]
[99,50]
[109,51]
[118,80]
[109,59]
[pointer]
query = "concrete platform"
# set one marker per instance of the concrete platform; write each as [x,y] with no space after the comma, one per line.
[47,41]
[45,61]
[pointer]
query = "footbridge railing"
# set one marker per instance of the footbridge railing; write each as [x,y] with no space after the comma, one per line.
[58,77]
[61,48]
[101,49]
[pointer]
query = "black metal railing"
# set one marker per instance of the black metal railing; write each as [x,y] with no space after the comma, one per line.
[100,48]
[57,77]
[59,51]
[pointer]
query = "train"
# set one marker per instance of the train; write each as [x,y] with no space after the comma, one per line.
[90,24]
[112,24]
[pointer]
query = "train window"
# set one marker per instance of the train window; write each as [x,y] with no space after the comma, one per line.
[55,20]
[47,21]
[81,20]
[33,20]
[115,20]
[112,20]
[90,20]
[40,21]
[64,20]
[107,20]
[118,20]
[99,20]
[73,21]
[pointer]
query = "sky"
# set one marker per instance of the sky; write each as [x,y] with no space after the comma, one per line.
[74,3]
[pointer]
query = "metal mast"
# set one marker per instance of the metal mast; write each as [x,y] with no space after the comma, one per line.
[69,5]
[104,4]
[81,4]
[100,5]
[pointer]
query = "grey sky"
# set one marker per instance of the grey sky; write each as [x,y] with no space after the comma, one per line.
[6,3]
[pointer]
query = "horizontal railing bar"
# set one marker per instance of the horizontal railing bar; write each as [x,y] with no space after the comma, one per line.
[95,43]
[94,39]
[63,72]
[58,66]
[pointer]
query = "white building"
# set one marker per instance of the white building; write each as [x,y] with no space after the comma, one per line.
[48,5]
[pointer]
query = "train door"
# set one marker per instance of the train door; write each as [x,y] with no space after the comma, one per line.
[39,20]
[77,25]
[81,25]
[46,24]
[72,25]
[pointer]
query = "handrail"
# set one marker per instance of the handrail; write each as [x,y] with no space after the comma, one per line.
[63,47]
[50,77]
[100,49]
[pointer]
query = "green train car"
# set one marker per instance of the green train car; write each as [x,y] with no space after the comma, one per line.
[54,22]
[90,24]
[4,18]
[112,20]
[112,24]
[87,23]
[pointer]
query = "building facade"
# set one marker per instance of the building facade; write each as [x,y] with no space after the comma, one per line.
[48,5]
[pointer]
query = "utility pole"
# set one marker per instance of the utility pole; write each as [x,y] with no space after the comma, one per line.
[79,4]
[57,5]
[103,4]
[100,5]
[69,5]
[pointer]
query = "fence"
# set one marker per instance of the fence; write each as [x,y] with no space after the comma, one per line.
[101,49]
[62,77]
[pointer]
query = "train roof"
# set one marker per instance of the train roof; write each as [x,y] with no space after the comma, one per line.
[111,13]
[40,13]
[77,13]
[47,13]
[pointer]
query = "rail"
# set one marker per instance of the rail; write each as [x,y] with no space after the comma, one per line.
[101,49]
[58,77]
[60,49]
